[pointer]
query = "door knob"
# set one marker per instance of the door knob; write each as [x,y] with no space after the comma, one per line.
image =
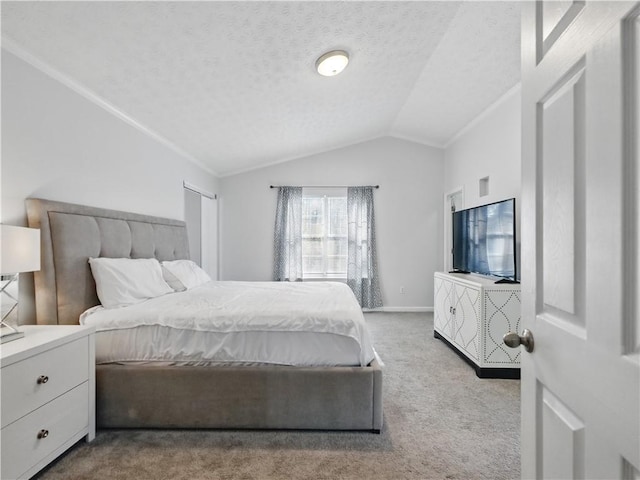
[514,340]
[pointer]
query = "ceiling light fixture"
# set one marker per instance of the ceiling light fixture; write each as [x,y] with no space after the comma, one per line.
[332,63]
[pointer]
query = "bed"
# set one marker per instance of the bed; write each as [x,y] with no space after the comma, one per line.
[180,395]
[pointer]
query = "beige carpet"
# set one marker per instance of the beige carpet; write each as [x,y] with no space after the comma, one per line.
[441,421]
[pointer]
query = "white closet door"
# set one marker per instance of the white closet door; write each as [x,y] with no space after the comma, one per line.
[201,217]
[209,236]
[193,218]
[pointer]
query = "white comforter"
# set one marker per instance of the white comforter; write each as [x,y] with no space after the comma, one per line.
[253,308]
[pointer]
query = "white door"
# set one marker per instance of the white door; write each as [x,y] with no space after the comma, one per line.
[580,253]
[193,219]
[209,236]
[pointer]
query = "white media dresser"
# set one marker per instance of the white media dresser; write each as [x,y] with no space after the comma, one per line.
[48,396]
[471,314]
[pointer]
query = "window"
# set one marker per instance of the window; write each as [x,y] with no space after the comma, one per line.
[324,234]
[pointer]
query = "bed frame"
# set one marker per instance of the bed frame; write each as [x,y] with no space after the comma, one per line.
[260,397]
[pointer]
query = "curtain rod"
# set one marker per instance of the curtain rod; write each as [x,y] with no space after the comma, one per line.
[325,186]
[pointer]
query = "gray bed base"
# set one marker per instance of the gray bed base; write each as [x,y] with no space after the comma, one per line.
[129,396]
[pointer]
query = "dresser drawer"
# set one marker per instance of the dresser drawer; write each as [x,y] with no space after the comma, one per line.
[64,418]
[63,368]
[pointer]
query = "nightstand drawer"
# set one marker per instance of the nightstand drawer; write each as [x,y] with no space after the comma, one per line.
[32,382]
[63,419]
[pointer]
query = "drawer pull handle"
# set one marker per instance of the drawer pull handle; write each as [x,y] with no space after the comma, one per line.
[42,379]
[43,434]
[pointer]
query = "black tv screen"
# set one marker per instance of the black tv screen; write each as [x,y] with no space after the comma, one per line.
[484,239]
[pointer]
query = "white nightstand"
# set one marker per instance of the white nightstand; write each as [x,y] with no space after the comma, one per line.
[48,396]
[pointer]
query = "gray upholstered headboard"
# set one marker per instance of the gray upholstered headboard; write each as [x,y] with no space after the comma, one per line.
[70,234]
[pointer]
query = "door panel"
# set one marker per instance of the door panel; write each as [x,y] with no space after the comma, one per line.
[629,472]
[554,17]
[467,319]
[632,174]
[501,308]
[443,302]
[561,162]
[552,14]
[561,428]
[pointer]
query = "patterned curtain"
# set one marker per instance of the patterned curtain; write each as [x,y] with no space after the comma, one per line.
[362,267]
[287,264]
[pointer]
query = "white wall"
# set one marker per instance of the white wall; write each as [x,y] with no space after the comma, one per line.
[408,209]
[489,147]
[57,144]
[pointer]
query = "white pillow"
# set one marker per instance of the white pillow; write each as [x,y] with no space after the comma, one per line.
[125,281]
[189,274]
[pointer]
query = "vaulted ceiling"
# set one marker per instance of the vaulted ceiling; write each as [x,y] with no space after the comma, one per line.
[233,85]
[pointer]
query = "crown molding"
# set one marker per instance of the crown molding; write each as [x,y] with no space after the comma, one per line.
[409,138]
[301,157]
[485,113]
[12,47]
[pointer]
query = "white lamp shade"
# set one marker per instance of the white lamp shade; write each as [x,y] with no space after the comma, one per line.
[20,249]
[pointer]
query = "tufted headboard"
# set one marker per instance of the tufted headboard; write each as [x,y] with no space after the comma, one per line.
[70,234]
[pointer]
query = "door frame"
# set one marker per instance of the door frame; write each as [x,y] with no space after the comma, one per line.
[448,237]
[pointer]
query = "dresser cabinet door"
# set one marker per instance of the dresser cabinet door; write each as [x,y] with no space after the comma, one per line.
[466,319]
[443,307]
[502,314]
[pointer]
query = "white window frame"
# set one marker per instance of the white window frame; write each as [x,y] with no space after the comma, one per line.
[325,194]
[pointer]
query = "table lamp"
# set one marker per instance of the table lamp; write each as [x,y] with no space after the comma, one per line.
[19,253]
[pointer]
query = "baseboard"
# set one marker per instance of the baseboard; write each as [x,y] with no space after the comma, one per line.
[399,309]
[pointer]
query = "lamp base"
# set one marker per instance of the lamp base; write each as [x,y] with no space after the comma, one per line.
[9,305]
[7,335]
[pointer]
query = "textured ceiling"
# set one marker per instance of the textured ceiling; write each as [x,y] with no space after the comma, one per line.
[233,83]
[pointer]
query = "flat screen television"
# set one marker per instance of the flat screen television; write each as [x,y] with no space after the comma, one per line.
[484,240]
